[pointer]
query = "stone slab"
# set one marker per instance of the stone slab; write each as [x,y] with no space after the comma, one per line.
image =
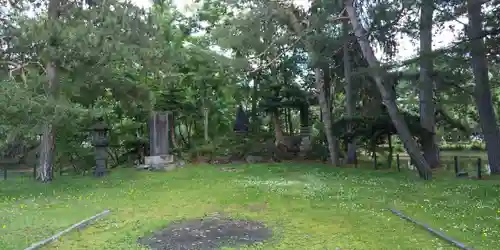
[164,162]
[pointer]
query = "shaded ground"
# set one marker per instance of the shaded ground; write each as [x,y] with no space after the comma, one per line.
[207,233]
[306,206]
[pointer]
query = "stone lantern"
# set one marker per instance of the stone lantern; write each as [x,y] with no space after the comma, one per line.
[100,142]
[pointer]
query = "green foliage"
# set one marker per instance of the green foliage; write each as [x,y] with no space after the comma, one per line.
[372,129]
[120,62]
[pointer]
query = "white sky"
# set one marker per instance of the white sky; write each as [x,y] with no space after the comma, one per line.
[406,47]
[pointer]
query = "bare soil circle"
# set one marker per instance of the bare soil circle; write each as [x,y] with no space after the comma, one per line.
[207,234]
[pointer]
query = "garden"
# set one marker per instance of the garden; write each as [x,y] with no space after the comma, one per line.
[296,125]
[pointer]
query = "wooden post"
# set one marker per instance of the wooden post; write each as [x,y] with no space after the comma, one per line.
[455,163]
[356,161]
[398,163]
[479,174]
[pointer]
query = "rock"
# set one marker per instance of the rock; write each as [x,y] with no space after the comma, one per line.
[254,159]
[143,166]
[488,169]
[462,174]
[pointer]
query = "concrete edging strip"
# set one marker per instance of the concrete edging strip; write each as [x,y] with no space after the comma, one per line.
[80,225]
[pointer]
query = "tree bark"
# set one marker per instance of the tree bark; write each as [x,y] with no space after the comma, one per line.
[184,139]
[387,99]
[172,131]
[289,121]
[205,124]
[255,98]
[482,90]
[47,145]
[278,131]
[329,93]
[205,111]
[426,95]
[390,156]
[327,117]
[44,171]
[349,95]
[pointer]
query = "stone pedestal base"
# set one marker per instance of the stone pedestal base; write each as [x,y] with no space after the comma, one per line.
[160,162]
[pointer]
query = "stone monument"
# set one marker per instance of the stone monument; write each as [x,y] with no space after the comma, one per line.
[160,155]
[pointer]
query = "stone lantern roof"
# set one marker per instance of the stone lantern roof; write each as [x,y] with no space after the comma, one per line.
[100,126]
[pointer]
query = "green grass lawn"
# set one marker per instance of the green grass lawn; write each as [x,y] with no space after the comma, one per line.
[307,206]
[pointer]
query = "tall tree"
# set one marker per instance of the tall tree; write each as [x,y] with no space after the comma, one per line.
[349,91]
[426,95]
[482,90]
[47,145]
[387,98]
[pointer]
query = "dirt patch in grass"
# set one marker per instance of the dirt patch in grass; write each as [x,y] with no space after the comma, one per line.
[207,233]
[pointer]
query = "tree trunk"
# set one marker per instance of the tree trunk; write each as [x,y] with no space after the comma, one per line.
[387,99]
[329,93]
[45,166]
[349,95]
[255,98]
[289,121]
[172,131]
[285,120]
[205,124]
[327,117]
[184,139]
[47,145]
[191,129]
[391,151]
[278,131]
[482,90]
[426,96]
